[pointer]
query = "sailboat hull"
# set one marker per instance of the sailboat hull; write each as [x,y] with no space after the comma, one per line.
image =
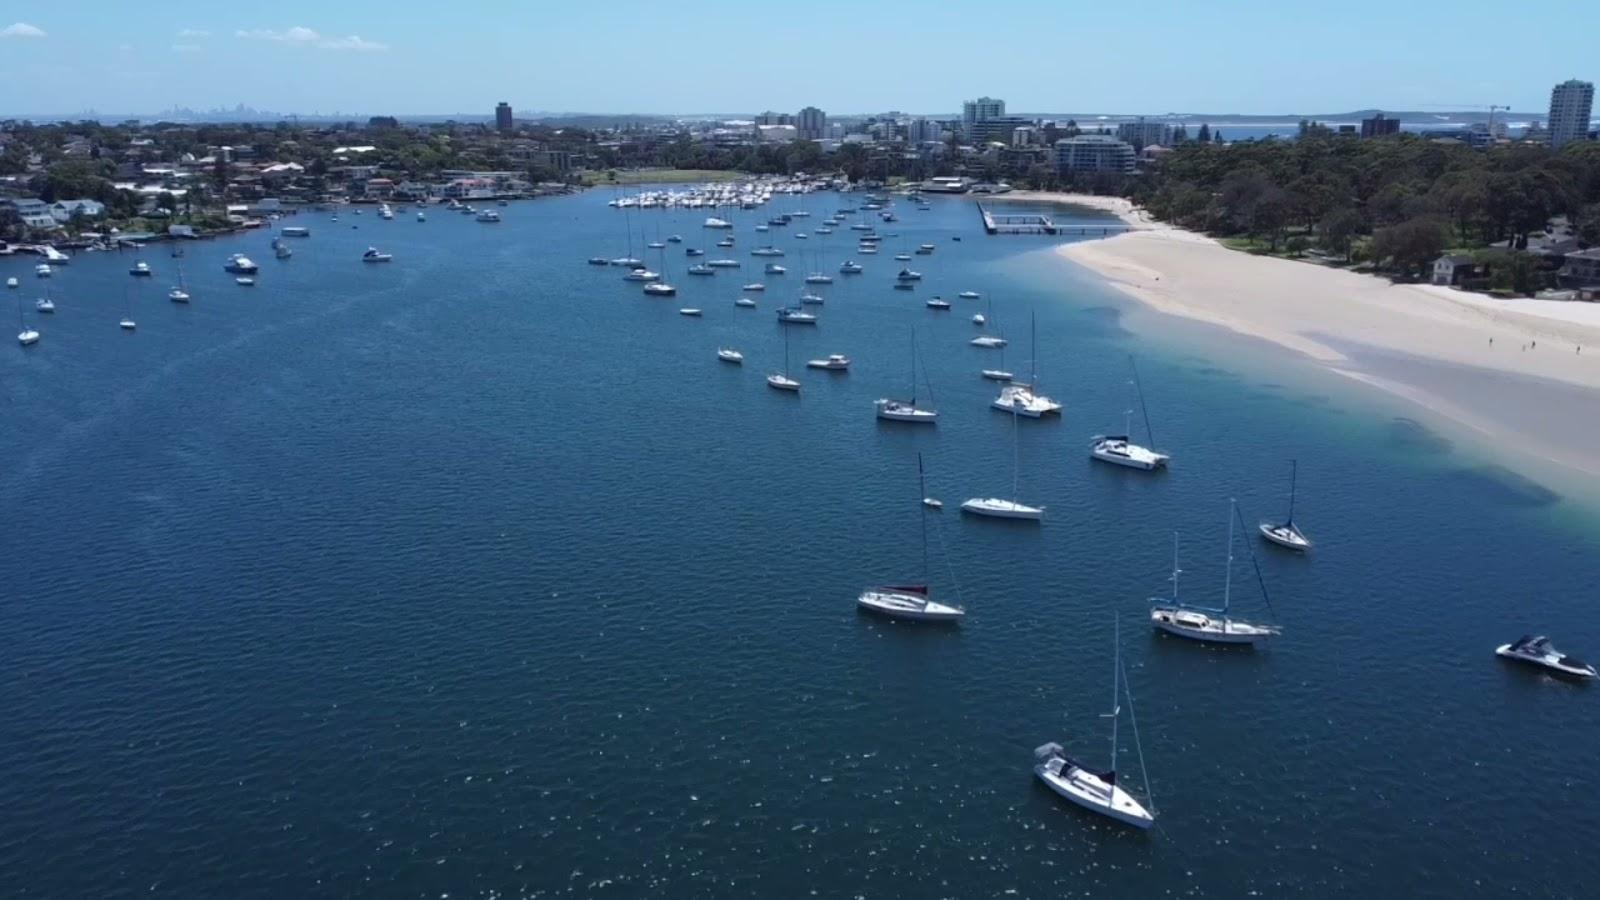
[1186,623]
[1293,540]
[910,607]
[1090,792]
[996,508]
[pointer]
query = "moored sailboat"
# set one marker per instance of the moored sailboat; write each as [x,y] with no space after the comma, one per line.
[912,602]
[1210,625]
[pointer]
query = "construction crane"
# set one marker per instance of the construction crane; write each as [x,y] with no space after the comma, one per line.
[1491,107]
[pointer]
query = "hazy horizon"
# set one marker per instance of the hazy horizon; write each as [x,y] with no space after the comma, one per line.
[1148,56]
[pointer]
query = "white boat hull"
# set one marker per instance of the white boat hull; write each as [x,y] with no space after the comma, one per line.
[996,508]
[1131,456]
[1197,627]
[911,607]
[1293,540]
[1090,792]
[902,413]
[1505,651]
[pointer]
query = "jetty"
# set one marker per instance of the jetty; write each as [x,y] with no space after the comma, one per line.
[1038,223]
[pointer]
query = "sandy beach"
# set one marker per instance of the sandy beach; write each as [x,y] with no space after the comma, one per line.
[1508,370]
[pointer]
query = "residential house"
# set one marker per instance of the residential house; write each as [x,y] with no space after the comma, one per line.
[1453,268]
[63,210]
[1581,269]
[379,188]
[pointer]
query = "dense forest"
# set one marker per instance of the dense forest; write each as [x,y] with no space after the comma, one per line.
[1396,203]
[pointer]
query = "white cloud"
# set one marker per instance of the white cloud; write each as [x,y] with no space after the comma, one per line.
[353,42]
[299,34]
[21,30]
[193,33]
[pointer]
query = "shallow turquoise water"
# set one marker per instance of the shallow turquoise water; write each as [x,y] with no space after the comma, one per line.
[477,573]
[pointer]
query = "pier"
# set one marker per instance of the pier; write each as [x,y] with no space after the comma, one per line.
[1037,223]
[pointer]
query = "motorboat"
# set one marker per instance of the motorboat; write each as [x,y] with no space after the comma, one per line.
[937,303]
[724,264]
[691,311]
[674,238]
[280,250]
[1118,450]
[659,289]
[768,250]
[725,242]
[773,269]
[1538,651]
[867,249]
[27,337]
[969,295]
[128,324]
[693,251]
[924,249]
[701,269]
[909,602]
[998,508]
[762,229]
[908,275]
[834,363]
[1205,624]
[756,286]
[385,212]
[745,302]
[628,262]
[801,235]
[295,231]
[850,267]
[641,275]
[988,341]
[793,315]
[714,222]
[178,295]
[422,216]
[488,215]
[730,355]
[44,305]
[997,374]
[811,300]
[599,261]
[979,320]
[1286,533]
[902,257]
[239,264]
[245,281]
[140,269]
[374,255]
[1021,399]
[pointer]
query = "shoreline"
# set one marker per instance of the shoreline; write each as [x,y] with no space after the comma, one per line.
[1520,375]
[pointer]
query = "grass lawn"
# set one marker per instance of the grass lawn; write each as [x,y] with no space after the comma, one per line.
[660,176]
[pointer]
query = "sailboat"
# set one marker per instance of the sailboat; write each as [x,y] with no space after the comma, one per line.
[628,261]
[127,322]
[1119,449]
[1092,789]
[45,304]
[25,336]
[1023,399]
[907,410]
[911,601]
[659,287]
[1199,623]
[999,508]
[179,294]
[783,382]
[1286,533]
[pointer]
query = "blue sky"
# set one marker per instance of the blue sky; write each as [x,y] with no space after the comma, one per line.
[1134,56]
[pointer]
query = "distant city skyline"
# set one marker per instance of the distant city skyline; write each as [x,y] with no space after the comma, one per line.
[1154,57]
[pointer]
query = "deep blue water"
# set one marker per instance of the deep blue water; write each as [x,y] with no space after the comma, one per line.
[477,574]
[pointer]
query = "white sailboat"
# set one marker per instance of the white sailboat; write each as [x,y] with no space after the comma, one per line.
[180,293]
[45,304]
[1024,399]
[1120,450]
[658,286]
[1286,533]
[25,336]
[911,601]
[782,382]
[1096,790]
[127,322]
[1001,508]
[1199,623]
[907,410]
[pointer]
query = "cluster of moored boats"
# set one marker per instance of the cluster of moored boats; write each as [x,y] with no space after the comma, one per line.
[1092,788]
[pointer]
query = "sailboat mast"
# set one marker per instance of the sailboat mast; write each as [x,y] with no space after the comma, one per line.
[913,366]
[1227,578]
[922,487]
[1144,410]
[1016,454]
[1116,669]
[1175,570]
[1033,350]
[1294,470]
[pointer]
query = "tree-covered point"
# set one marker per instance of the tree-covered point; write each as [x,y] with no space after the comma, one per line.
[1398,201]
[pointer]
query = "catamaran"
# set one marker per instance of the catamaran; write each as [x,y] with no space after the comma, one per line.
[1120,450]
[907,410]
[1199,623]
[911,601]
[1286,533]
[1092,789]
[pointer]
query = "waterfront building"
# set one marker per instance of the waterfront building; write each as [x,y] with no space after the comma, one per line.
[1094,153]
[1379,126]
[1142,134]
[920,131]
[812,123]
[1571,104]
[995,128]
[979,110]
[502,116]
